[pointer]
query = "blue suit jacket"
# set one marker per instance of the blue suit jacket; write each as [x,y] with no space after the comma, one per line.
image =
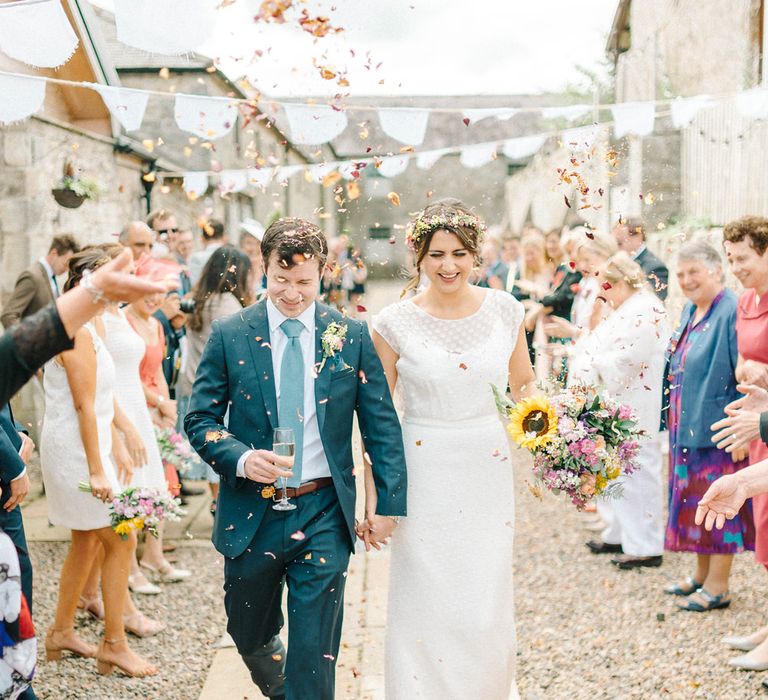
[11,464]
[709,380]
[235,373]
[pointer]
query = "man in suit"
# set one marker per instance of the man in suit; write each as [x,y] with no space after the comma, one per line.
[289,361]
[15,451]
[37,285]
[630,235]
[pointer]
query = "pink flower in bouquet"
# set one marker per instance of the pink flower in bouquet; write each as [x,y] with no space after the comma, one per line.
[588,447]
[175,437]
[625,412]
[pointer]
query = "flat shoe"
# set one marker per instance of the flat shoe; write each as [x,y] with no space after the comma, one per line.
[691,586]
[598,547]
[740,643]
[713,602]
[637,562]
[746,664]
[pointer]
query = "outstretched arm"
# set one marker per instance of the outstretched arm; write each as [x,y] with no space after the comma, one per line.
[726,496]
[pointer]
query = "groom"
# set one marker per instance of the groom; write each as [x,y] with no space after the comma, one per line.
[291,362]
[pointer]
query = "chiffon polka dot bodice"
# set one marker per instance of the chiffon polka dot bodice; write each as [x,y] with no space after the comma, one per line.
[446,367]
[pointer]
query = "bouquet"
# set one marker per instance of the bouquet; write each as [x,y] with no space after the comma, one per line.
[174,449]
[140,509]
[581,441]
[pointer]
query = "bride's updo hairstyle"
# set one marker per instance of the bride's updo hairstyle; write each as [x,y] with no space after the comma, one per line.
[621,268]
[88,259]
[447,214]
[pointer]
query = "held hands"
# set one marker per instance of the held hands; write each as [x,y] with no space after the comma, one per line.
[375,530]
[721,502]
[266,467]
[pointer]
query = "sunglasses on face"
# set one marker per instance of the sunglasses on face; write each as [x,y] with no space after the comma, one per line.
[166,231]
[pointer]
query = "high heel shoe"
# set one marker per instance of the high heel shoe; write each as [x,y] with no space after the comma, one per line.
[167,573]
[93,606]
[147,588]
[105,667]
[53,649]
[139,625]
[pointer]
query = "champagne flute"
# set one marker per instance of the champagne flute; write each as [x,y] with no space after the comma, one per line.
[284,445]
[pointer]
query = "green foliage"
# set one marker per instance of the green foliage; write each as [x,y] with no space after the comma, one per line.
[83,187]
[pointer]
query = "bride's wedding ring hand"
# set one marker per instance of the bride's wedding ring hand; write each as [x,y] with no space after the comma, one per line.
[266,467]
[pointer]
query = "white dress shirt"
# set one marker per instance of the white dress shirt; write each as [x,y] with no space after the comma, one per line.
[51,277]
[315,463]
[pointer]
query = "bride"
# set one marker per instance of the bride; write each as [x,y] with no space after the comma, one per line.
[450,626]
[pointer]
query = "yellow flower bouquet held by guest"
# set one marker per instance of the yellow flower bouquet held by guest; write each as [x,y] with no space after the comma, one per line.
[581,441]
[140,509]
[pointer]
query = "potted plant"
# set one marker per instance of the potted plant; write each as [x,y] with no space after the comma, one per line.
[74,190]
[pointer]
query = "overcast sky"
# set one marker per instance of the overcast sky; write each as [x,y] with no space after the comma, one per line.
[439,47]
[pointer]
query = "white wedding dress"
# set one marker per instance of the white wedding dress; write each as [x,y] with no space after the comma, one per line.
[450,624]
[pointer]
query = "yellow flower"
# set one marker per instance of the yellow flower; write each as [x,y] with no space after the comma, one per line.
[532,423]
[138,523]
[600,483]
[123,528]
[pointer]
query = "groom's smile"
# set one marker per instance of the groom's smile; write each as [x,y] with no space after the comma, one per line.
[292,289]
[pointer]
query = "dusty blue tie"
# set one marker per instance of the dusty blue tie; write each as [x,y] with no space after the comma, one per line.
[290,408]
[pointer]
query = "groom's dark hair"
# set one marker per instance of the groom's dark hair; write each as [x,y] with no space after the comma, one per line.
[294,241]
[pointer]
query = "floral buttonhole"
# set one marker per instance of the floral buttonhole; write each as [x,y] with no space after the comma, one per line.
[332,342]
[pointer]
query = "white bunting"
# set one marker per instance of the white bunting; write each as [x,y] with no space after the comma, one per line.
[287,171]
[37,34]
[207,117]
[753,104]
[635,118]
[20,97]
[684,109]
[126,105]
[475,116]
[477,155]
[427,159]
[392,166]
[580,139]
[168,27]
[314,124]
[233,180]
[195,184]
[523,147]
[569,112]
[406,125]
[260,177]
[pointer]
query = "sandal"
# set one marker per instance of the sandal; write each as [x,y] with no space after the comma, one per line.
[93,606]
[139,625]
[690,586]
[713,602]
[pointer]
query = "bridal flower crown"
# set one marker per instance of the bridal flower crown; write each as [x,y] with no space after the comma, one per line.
[423,225]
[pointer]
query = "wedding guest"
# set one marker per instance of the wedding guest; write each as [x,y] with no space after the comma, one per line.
[224,288]
[700,377]
[358,276]
[630,235]
[185,245]
[139,238]
[746,247]
[553,245]
[139,315]
[213,236]
[37,285]
[586,313]
[31,343]
[250,243]
[493,273]
[625,355]
[167,232]
[532,282]
[510,255]
[77,444]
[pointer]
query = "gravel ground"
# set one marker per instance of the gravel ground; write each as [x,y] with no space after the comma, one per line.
[183,652]
[587,630]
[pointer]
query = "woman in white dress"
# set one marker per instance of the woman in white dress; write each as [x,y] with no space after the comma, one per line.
[450,625]
[625,355]
[77,445]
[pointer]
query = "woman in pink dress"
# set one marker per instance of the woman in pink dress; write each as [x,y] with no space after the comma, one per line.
[746,246]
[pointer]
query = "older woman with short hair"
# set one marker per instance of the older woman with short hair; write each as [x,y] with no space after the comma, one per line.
[700,380]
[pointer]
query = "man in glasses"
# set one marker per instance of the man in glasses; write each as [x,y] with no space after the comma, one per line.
[163,223]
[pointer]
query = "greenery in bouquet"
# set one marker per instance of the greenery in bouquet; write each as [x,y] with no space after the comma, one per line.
[140,509]
[175,449]
[582,441]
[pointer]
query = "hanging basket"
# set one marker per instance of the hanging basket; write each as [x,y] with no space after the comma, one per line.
[67,198]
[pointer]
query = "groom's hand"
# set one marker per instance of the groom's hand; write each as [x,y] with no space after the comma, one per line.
[380,529]
[266,467]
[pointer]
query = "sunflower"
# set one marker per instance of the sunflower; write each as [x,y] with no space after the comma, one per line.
[532,423]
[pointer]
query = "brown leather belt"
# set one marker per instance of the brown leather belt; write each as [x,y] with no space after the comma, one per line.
[307,487]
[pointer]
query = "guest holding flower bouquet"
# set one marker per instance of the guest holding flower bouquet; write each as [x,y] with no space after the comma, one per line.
[77,445]
[700,380]
[624,354]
